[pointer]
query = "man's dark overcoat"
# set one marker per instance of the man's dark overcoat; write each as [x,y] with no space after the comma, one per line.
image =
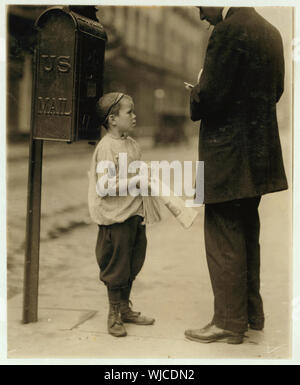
[242,80]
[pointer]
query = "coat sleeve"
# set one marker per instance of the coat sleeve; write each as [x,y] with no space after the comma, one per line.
[280,70]
[213,93]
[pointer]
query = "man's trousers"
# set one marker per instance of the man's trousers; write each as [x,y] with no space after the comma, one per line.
[233,257]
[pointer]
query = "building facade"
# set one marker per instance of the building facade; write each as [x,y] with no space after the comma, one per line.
[150,52]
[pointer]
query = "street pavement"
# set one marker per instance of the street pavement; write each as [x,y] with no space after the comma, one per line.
[173,287]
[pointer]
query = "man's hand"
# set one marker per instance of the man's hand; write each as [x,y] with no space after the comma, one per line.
[188,86]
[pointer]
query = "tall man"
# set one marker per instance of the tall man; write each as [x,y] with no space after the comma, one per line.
[241,82]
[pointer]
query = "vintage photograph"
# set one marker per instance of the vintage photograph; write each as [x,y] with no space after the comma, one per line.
[149,182]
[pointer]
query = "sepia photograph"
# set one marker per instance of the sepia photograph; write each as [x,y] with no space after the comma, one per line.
[149,180]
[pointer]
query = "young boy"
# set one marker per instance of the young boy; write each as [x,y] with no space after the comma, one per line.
[121,243]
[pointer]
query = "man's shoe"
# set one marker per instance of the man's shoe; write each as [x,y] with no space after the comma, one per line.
[115,326]
[257,323]
[256,326]
[130,316]
[207,326]
[235,339]
[214,334]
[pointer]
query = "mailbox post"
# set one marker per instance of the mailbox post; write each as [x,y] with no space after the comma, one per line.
[67,82]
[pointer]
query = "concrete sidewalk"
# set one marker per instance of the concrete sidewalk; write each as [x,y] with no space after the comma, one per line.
[173,286]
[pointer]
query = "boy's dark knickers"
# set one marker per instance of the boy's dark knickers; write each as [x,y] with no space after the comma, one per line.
[121,251]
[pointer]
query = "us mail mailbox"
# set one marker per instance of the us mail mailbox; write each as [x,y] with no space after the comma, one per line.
[68,76]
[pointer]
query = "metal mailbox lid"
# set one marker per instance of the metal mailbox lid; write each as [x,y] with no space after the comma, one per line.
[89,26]
[81,23]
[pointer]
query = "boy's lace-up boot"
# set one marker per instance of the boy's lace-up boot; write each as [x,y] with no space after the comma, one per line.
[130,316]
[135,317]
[115,325]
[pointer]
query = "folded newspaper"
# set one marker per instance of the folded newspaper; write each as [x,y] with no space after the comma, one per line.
[184,215]
[176,205]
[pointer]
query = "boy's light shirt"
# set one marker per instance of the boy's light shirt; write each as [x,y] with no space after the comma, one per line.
[113,209]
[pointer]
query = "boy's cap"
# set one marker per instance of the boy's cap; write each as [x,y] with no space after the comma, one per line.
[106,103]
